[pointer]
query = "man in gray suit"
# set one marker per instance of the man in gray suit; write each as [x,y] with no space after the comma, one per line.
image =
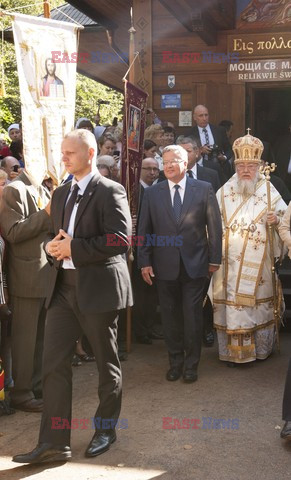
[181,227]
[90,282]
[25,222]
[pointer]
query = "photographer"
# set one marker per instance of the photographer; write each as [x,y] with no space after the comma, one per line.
[213,140]
[11,166]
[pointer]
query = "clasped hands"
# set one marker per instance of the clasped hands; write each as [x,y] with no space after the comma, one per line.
[60,246]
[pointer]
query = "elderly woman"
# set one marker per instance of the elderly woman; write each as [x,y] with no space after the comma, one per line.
[111,163]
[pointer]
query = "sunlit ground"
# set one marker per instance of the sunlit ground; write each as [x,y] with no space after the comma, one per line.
[73,470]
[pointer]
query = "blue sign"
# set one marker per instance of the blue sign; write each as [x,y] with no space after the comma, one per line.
[171,100]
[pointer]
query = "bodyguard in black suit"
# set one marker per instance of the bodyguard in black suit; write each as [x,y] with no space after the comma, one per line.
[181,226]
[206,135]
[89,284]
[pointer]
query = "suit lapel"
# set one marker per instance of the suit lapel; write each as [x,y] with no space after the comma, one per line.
[166,199]
[88,194]
[188,198]
[64,192]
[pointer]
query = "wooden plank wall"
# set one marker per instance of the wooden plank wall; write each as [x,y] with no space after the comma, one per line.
[204,83]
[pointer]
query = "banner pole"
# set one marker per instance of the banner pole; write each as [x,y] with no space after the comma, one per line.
[46,9]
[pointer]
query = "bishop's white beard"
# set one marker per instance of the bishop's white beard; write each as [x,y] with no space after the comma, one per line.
[247,187]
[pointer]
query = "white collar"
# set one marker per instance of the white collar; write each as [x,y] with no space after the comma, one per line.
[145,185]
[202,128]
[182,183]
[83,183]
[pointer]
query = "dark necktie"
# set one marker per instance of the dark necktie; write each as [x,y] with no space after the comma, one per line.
[69,207]
[177,204]
[190,173]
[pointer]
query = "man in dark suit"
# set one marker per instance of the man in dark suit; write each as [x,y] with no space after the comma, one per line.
[89,284]
[206,135]
[181,227]
[25,222]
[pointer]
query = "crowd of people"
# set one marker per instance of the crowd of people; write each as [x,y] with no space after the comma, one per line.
[211,227]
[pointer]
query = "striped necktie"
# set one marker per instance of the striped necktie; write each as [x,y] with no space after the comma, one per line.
[205,156]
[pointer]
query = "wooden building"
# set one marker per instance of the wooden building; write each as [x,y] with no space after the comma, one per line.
[234,56]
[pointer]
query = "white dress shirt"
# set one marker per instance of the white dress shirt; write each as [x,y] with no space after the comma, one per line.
[181,190]
[83,183]
[194,170]
[145,185]
[202,135]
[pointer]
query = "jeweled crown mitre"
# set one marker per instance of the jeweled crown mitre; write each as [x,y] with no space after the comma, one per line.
[247,149]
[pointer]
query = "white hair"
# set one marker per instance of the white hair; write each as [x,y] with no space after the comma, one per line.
[105,160]
[179,151]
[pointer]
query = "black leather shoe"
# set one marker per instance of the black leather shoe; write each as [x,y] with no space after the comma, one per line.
[286,431]
[32,405]
[45,452]
[190,376]
[208,339]
[156,336]
[144,339]
[173,374]
[100,443]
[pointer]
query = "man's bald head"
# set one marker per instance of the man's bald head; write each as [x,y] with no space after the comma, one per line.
[201,116]
[83,136]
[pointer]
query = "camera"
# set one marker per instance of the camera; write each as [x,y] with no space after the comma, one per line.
[215,151]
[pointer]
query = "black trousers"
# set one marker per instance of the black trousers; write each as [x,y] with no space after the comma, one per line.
[145,304]
[286,414]
[207,310]
[181,309]
[64,325]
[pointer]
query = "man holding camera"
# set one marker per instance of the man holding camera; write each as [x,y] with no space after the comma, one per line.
[214,143]
[11,166]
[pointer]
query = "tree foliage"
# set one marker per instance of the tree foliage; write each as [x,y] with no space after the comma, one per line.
[88,92]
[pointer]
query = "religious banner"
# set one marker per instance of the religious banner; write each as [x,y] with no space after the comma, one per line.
[133,136]
[47,91]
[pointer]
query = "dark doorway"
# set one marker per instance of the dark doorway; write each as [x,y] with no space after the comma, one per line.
[268,111]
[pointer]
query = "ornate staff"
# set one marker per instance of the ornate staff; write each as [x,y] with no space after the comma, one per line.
[266,170]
